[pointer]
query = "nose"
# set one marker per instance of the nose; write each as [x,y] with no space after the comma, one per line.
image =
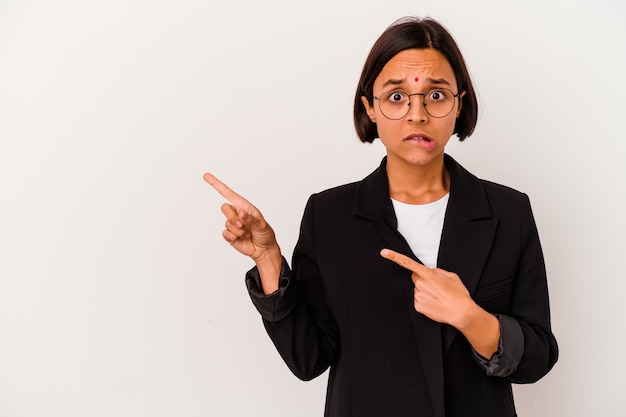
[417,111]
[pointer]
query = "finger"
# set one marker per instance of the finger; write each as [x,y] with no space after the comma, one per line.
[404,261]
[233,223]
[230,212]
[229,237]
[243,219]
[236,229]
[225,191]
[445,273]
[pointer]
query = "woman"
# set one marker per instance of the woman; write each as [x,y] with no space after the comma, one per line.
[422,287]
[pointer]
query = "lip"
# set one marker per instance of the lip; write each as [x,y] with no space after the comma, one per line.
[421,139]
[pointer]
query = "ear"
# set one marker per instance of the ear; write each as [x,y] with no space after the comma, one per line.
[458,112]
[369,109]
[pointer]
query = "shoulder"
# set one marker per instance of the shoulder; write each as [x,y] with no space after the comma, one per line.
[469,185]
[506,202]
[500,191]
[339,191]
[370,189]
[341,196]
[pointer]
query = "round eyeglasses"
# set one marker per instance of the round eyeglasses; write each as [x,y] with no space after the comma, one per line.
[395,104]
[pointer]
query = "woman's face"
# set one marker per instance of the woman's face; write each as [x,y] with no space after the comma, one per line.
[417,138]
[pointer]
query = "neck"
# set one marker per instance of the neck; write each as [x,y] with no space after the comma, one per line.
[417,184]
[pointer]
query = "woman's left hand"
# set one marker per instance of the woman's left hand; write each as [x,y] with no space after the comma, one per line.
[438,294]
[441,296]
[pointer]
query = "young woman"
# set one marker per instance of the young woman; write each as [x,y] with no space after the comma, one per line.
[422,287]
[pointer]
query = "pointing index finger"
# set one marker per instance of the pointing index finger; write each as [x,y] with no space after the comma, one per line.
[224,190]
[403,260]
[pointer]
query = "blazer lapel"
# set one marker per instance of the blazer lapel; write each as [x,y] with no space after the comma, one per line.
[468,233]
[373,203]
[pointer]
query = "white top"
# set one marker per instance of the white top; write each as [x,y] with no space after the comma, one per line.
[421,225]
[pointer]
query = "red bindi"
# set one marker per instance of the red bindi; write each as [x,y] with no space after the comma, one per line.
[417,79]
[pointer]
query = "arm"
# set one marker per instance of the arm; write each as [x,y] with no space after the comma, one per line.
[530,308]
[292,304]
[527,348]
[308,337]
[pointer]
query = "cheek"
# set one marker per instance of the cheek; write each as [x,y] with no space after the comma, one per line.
[386,128]
[447,125]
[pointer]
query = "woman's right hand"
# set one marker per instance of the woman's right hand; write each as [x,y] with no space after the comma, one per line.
[249,233]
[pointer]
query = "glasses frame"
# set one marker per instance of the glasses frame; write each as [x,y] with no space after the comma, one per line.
[457,95]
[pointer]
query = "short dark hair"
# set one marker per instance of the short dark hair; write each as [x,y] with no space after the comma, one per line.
[414,33]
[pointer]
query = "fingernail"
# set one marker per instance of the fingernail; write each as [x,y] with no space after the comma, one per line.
[384,252]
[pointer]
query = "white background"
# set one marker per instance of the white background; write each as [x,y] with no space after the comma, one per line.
[118,296]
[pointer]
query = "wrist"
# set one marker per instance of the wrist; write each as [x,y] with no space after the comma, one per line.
[468,315]
[269,265]
[270,256]
[481,329]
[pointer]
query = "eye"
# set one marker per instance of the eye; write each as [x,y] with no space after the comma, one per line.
[396,97]
[437,95]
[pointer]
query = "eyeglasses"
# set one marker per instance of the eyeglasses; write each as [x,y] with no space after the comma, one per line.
[395,104]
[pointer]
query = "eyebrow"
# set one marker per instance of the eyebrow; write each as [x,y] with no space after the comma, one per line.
[431,80]
[393,82]
[438,81]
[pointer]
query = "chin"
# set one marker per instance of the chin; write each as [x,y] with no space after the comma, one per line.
[424,159]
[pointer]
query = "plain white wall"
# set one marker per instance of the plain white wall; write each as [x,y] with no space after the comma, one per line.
[118,296]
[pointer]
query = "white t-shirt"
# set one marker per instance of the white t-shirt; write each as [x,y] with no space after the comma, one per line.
[421,225]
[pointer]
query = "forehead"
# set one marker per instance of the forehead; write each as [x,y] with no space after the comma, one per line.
[410,63]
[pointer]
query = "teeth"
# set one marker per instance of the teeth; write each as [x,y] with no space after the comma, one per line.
[419,138]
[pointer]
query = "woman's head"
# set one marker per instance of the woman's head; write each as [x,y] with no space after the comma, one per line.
[414,33]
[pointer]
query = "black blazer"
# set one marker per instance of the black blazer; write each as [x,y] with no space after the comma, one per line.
[345,307]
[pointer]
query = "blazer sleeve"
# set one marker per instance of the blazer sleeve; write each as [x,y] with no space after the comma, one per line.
[527,349]
[296,316]
[510,349]
[278,305]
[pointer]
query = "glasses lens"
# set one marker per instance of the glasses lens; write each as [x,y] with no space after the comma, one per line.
[437,103]
[395,104]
